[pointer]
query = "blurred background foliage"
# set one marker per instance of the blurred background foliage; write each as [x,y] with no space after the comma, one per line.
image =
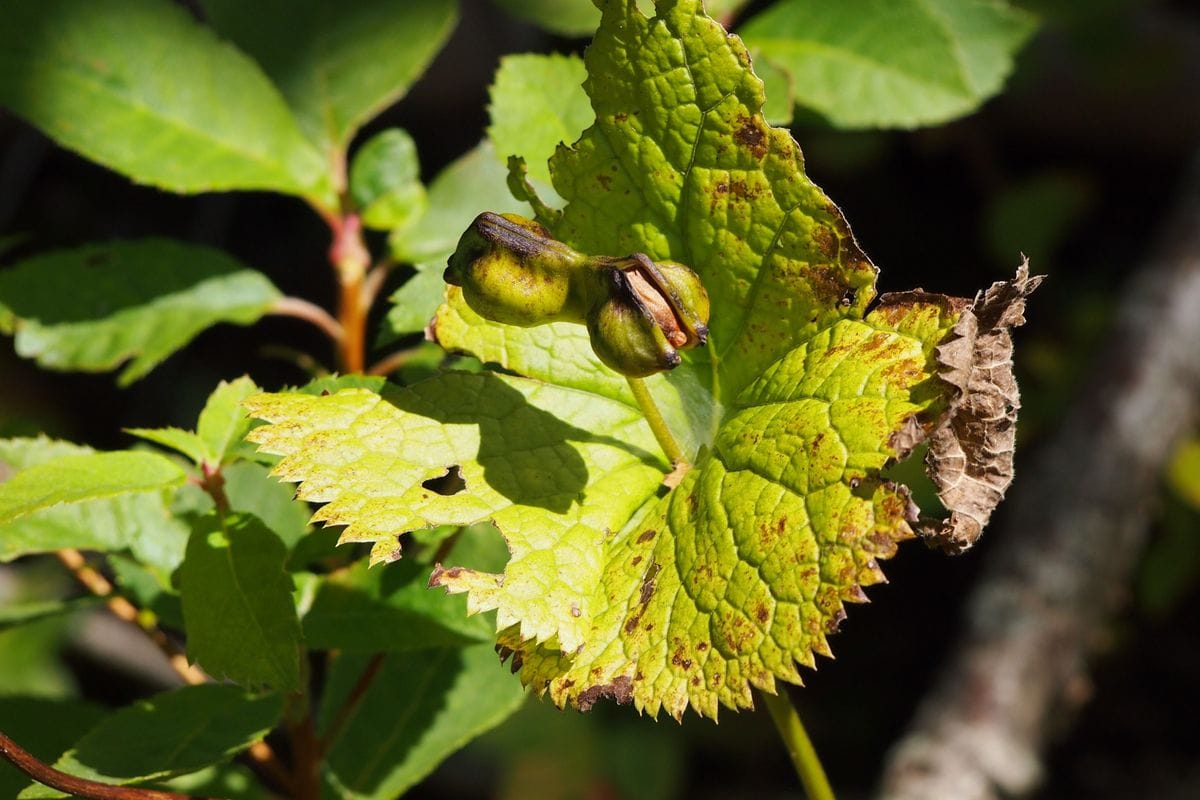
[1072,164]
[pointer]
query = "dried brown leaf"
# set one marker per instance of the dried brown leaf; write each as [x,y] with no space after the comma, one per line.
[970,455]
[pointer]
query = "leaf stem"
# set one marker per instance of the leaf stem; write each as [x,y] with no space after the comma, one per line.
[44,774]
[308,311]
[658,425]
[349,256]
[390,363]
[799,746]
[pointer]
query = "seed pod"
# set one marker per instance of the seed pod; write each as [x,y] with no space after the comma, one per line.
[650,312]
[512,271]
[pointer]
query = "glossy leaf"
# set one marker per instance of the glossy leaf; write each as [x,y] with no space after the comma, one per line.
[338,65]
[890,63]
[237,603]
[173,733]
[416,712]
[223,422]
[182,110]
[144,301]
[537,102]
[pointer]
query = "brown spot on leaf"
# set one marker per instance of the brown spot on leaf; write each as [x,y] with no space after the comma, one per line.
[604,180]
[620,116]
[636,560]
[646,536]
[752,136]
[762,613]
[620,690]
[825,241]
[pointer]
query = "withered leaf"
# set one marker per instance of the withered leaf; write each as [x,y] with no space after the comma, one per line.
[970,456]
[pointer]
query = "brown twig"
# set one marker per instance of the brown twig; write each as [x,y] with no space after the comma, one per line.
[392,362]
[1076,523]
[351,703]
[98,585]
[92,790]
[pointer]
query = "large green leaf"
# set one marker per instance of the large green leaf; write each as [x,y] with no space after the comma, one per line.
[537,102]
[173,733]
[416,712]
[141,302]
[180,110]
[338,64]
[237,603]
[891,63]
[617,585]
[83,477]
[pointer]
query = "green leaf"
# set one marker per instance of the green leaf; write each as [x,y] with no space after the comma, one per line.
[891,63]
[388,610]
[43,727]
[564,17]
[416,712]
[338,65]
[78,478]
[140,521]
[385,181]
[1183,473]
[12,614]
[181,111]
[475,182]
[30,661]
[185,442]
[537,102]
[237,603]
[618,585]
[170,734]
[223,423]
[415,303]
[144,300]
[250,489]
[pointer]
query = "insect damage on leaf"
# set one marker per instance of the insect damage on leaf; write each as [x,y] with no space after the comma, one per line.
[737,573]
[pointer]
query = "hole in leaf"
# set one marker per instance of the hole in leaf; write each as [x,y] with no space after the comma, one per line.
[449,484]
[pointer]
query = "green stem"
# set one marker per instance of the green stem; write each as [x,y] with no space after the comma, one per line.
[799,746]
[654,418]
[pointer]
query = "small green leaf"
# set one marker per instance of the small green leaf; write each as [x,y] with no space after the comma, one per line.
[237,603]
[416,712]
[537,102]
[45,728]
[891,63]
[30,660]
[415,303]
[170,734]
[177,439]
[1183,473]
[388,610]
[78,478]
[143,301]
[473,183]
[223,423]
[564,17]
[338,64]
[385,181]
[182,111]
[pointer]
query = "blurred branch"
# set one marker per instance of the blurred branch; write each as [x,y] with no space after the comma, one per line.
[1062,562]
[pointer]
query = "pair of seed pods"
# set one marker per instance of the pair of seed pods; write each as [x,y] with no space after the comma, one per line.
[639,313]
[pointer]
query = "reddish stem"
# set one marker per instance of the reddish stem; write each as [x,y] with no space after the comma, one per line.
[350,259]
[28,763]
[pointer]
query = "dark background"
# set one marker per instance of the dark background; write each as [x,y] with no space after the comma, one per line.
[1074,165]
